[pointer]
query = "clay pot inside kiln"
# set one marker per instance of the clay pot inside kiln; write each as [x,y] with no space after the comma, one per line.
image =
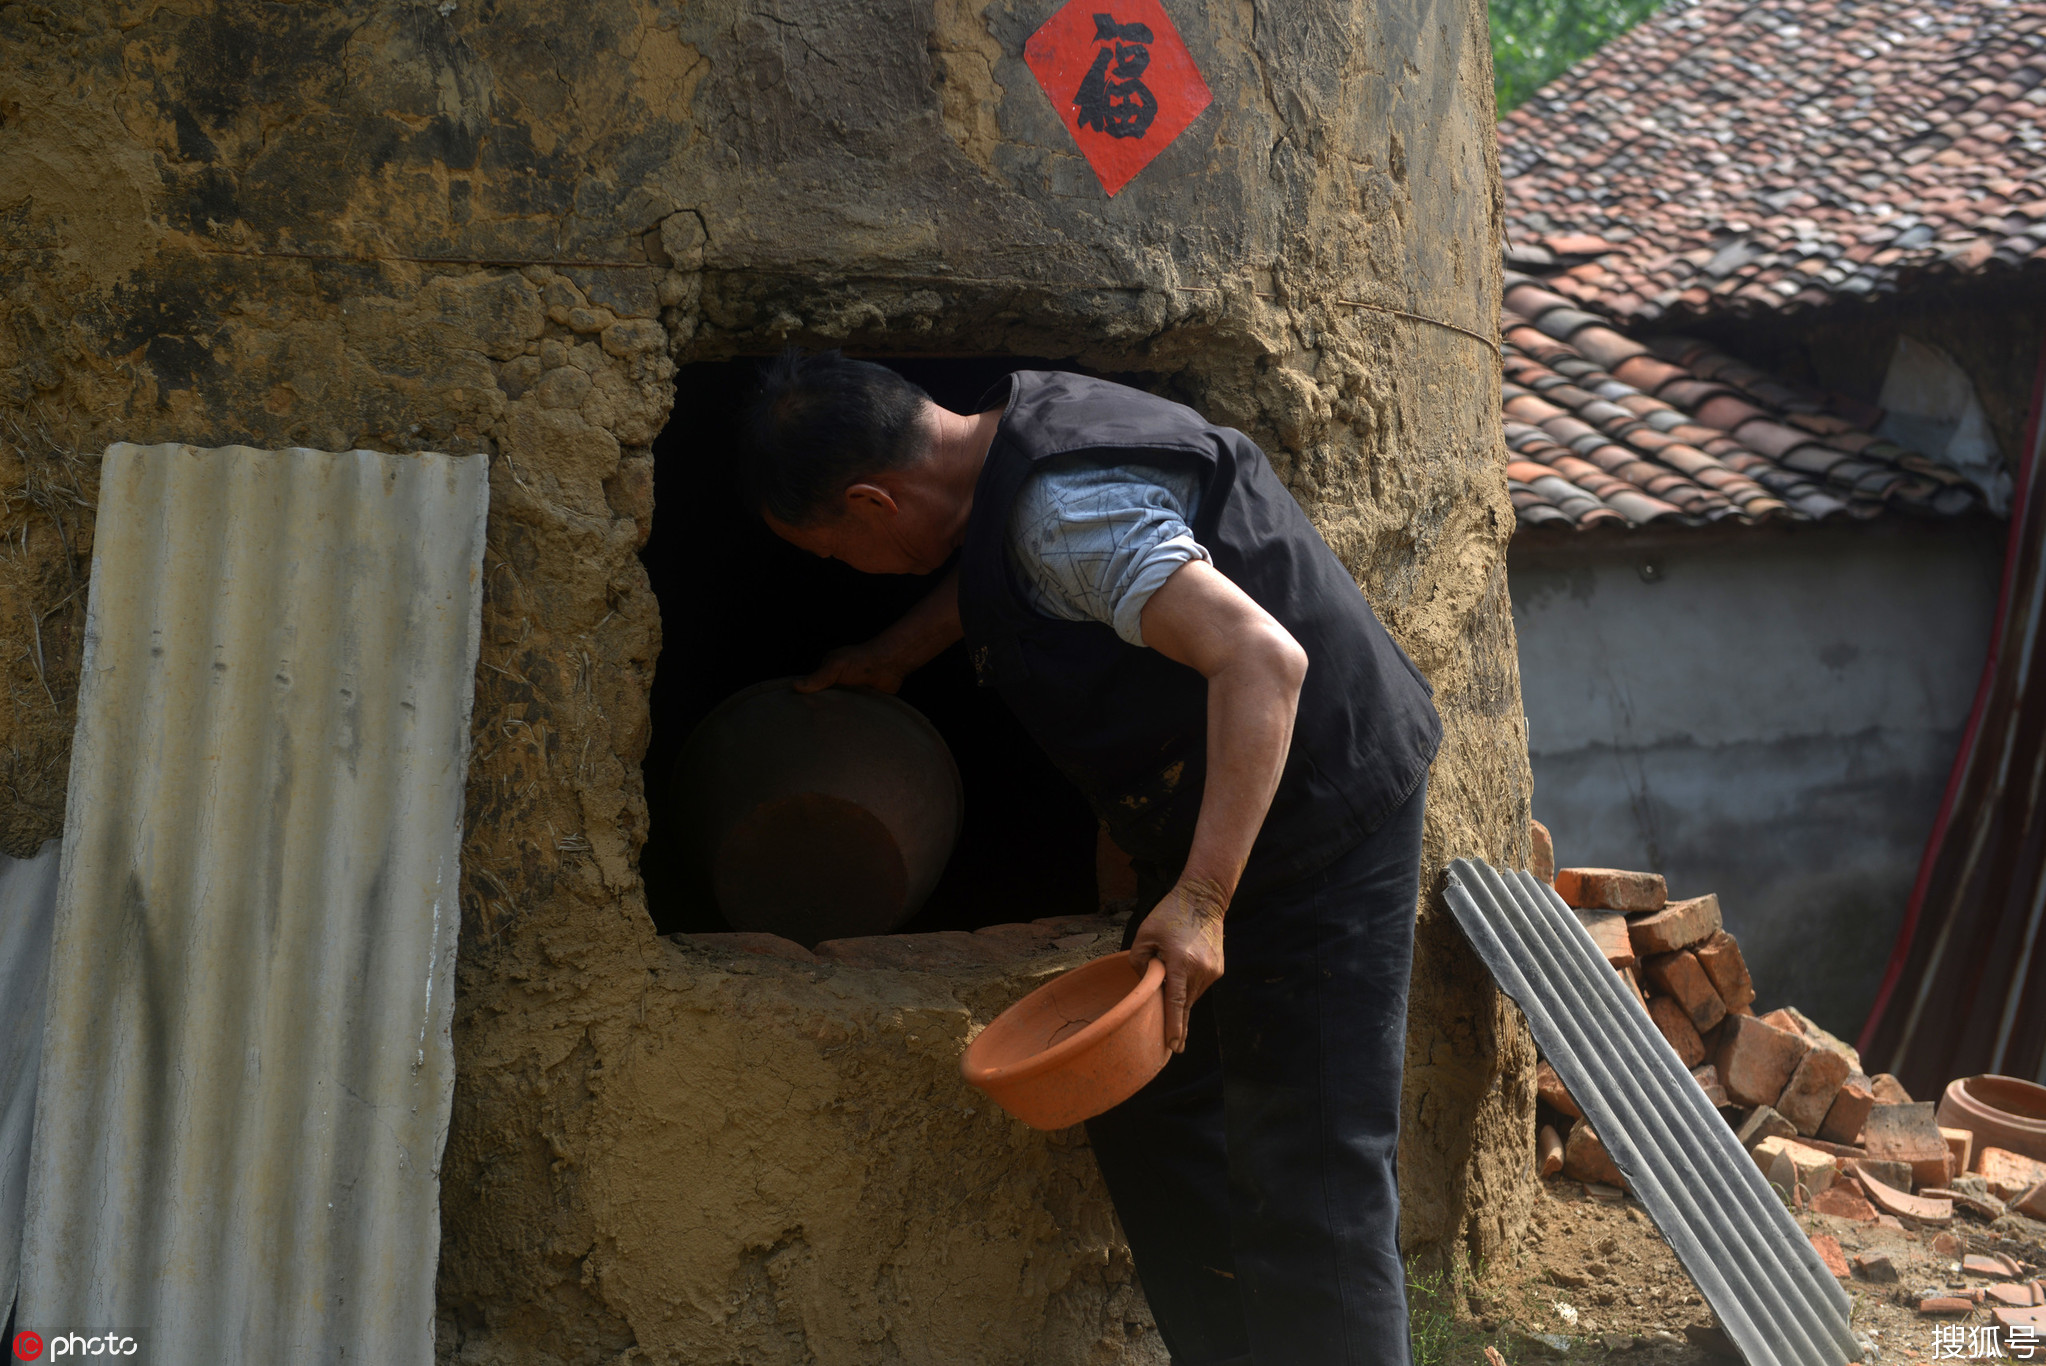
[820,815]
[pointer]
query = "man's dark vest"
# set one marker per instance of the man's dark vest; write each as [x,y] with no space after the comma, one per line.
[1128,725]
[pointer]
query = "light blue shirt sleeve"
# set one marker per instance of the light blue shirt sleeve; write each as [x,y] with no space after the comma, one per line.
[1091,542]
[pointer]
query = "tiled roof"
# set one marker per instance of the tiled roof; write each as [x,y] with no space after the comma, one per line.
[1606,430]
[1731,156]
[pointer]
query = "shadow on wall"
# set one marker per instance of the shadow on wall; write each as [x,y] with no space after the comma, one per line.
[1811,845]
[1768,716]
[739,605]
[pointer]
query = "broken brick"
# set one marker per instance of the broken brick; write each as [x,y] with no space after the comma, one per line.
[1786,1021]
[1844,1200]
[1611,889]
[2009,1174]
[1818,1036]
[1756,1059]
[1549,1150]
[1549,1089]
[1946,1304]
[1973,1198]
[1849,1111]
[1680,976]
[1875,1266]
[1908,1133]
[1707,1078]
[1541,859]
[1809,1093]
[2032,1202]
[2015,1296]
[1634,986]
[1888,1090]
[1677,926]
[1977,1264]
[1763,1122]
[1894,1174]
[1960,1145]
[1721,958]
[1675,1024]
[1838,1150]
[1791,1166]
[1586,1159]
[1608,930]
[1938,1213]
[1830,1252]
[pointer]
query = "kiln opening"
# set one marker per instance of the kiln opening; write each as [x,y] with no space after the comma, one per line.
[738,606]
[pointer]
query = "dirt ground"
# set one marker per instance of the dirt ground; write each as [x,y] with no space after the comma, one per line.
[1592,1280]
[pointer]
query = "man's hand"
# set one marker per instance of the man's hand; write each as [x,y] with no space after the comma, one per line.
[875,663]
[1184,931]
[883,662]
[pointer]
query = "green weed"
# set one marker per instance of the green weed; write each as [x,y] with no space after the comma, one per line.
[1440,1336]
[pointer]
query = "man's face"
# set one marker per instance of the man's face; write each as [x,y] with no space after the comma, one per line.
[870,536]
[899,521]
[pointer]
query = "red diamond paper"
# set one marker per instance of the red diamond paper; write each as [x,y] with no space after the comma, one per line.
[1121,79]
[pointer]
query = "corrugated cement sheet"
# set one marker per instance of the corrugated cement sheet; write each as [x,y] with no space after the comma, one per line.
[247,1070]
[28,902]
[1751,1262]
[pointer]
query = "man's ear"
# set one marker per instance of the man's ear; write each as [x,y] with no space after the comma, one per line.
[868,500]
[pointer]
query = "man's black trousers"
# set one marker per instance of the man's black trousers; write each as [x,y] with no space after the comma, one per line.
[1257,1175]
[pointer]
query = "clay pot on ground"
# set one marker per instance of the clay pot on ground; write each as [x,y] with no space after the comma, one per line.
[1082,1043]
[2003,1112]
[819,815]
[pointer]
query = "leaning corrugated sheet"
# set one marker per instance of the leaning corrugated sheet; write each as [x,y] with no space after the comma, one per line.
[28,901]
[247,1069]
[1751,1262]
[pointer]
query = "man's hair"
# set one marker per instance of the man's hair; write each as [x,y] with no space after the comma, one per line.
[817,425]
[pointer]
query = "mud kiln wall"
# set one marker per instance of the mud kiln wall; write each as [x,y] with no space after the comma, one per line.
[477,224]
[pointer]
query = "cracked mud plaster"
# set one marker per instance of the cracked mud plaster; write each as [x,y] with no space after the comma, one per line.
[470,226]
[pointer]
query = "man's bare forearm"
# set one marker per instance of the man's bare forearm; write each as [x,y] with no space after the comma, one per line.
[1251,705]
[1254,669]
[916,638]
[922,633]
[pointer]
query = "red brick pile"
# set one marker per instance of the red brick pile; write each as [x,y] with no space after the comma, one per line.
[1830,1137]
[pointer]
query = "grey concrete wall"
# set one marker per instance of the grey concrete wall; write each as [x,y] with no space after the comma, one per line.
[1765,714]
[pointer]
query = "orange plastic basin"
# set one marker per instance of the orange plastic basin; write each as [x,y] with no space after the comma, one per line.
[1082,1043]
